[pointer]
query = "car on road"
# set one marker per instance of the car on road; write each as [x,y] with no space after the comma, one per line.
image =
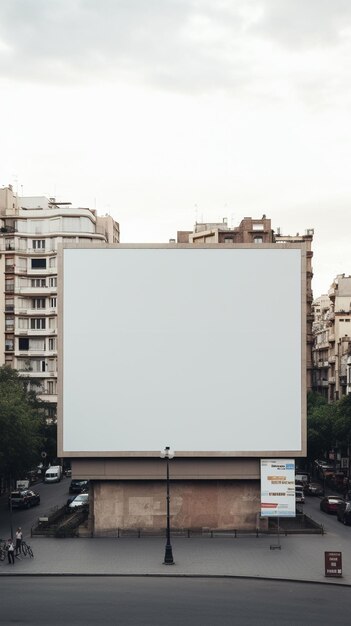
[344,513]
[329,504]
[77,486]
[314,489]
[81,500]
[299,495]
[24,499]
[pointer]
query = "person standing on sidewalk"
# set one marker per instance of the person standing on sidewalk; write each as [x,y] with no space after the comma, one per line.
[10,552]
[19,536]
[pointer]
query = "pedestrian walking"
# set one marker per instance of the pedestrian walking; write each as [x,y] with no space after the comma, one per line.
[10,552]
[19,536]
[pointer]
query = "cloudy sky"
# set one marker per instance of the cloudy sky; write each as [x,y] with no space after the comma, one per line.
[164,112]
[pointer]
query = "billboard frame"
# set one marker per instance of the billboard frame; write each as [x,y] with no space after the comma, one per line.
[207,454]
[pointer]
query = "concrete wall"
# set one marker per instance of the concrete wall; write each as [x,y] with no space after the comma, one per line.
[194,504]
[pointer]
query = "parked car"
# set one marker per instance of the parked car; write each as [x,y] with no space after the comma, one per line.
[329,504]
[24,499]
[53,474]
[77,486]
[320,463]
[299,495]
[314,489]
[81,500]
[344,512]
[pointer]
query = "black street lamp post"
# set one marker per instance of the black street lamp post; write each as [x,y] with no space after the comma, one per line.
[168,560]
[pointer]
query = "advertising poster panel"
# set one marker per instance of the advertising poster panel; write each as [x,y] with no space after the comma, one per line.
[278,488]
[147,336]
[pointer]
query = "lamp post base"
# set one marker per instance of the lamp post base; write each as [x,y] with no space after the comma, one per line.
[168,556]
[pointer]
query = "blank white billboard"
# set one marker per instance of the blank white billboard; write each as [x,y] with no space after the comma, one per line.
[196,348]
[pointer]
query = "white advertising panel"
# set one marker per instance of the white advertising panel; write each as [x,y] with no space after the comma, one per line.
[278,488]
[198,347]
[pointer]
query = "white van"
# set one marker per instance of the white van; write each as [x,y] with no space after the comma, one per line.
[53,474]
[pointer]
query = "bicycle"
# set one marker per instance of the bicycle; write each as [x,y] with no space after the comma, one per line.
[26,549]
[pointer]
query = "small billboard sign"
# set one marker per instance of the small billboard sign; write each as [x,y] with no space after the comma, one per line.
[22,484]
[333,564]
[278,488]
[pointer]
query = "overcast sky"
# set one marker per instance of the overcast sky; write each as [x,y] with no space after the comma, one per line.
[164,112]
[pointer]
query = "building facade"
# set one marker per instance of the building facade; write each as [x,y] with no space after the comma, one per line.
[30,230]
[332,340]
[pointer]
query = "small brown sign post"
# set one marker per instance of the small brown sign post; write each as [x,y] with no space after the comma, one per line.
[333,564]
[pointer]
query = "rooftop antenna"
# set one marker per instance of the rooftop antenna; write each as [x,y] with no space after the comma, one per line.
[15,182]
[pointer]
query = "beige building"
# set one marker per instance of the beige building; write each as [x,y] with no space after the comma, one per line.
[332,340]
[30,231]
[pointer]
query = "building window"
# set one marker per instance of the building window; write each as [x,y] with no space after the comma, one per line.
[38,282]
[51,387]
[38,323]
[52,262]
[257,227]
[38,303]
[22,322]
[52,365]
[9,304]
[9,286]
[37,344]
[228,239]
[52,323]
[53,281]
[258,239]
[39,244]
[9,323]
[53,303]
[23,343]
[52,344]
[37,264]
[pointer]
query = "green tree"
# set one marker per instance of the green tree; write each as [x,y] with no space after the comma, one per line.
[321,420]
[21,419]
[343,422]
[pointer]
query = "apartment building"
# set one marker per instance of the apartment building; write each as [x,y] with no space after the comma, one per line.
[30,230]
[259,231]
[332,340]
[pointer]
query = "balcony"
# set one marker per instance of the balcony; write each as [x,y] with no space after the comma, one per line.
[332,359]
[32,374]
[31,291]
[37,312]
[9,269]
[22,354]
[331,337]
[47,397]
[331,380]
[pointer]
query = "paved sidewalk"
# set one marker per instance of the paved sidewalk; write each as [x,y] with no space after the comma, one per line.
[300,557]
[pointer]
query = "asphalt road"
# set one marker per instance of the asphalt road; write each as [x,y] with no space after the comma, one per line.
[51,496]
[171,601]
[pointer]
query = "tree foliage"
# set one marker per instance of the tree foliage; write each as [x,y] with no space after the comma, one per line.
[21,425]
[328,425]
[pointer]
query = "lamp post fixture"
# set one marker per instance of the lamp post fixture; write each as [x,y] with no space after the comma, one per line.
[168,560]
